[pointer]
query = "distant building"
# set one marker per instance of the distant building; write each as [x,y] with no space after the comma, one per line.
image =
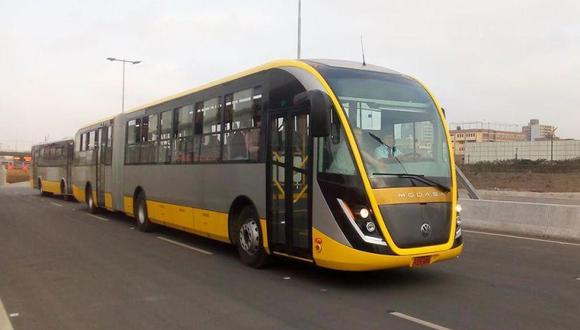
[535,131]
[532,150]
[459,138]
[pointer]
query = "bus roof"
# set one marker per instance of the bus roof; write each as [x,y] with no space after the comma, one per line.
[263,67]
[67,139]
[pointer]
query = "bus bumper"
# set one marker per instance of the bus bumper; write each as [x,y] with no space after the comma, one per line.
[329,253]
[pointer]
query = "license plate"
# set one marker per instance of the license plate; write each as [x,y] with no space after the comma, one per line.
[421,261]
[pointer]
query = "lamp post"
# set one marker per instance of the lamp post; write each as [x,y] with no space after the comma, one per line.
[299,27]
[124,61]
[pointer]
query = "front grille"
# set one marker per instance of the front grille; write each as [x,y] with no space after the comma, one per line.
[404,222]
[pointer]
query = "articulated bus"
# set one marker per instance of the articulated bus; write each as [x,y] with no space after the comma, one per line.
[51,167]
[342,165]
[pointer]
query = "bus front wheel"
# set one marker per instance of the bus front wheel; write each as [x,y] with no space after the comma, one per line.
[250,239]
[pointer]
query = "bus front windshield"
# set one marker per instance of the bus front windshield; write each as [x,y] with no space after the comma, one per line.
[396,126]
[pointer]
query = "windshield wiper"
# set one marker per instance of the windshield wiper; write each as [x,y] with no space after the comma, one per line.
[418,177]
[391,148]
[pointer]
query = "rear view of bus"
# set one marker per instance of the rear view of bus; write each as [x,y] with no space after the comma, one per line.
[386,173]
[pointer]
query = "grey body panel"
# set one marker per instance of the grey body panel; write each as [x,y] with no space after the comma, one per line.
[322,218]
[207,186]
[116,182]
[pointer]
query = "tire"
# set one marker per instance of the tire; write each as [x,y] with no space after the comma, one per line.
[42,192]
[143,223]
[63,191]
[91,206]
[249,239]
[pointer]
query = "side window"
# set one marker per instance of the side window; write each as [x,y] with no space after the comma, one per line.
[80,143]
[211,126]
[133,138]
[86,141]
[149,136]
[334,153]
[183,143]
[109,146]
[243,111]
[165,130]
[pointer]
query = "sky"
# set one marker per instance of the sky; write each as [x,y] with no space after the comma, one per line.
[499,61]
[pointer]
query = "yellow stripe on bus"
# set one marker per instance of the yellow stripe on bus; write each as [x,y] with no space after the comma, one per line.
[51,186]
[108,201]
[78,193]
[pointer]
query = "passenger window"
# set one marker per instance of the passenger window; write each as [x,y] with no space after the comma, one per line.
[91,141]
[165,129]
[133,150]
[243,111]
[148,139]
[210,144]
[183,143]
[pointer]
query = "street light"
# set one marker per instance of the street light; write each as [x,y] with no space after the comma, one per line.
[124,61]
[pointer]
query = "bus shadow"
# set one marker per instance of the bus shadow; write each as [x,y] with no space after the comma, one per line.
[287,268]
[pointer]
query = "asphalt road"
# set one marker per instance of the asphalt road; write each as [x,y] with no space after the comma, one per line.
[61,268]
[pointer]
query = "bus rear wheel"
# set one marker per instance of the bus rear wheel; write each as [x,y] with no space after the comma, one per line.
[63,191]
[91,207]
[143,223]
[250,239]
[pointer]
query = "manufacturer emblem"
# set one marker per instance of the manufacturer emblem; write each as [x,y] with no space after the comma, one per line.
[425,229]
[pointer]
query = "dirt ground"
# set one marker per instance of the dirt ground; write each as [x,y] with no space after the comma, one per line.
[536,182]
[13,176]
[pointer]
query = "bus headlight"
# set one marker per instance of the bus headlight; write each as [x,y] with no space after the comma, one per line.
[458,208]
[364,213]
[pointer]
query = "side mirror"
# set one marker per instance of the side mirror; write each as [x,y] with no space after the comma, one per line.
[320,104]
[443,110]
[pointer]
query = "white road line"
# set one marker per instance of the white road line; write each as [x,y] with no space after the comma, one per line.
[520,237]
[5,323]
[419,321]
[185,245]
[56,204]
[97,217]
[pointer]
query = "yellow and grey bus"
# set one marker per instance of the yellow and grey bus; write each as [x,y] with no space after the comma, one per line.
[51,167]
[335,163]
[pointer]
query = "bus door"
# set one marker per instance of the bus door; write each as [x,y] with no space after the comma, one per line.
[289,174]
[100,169]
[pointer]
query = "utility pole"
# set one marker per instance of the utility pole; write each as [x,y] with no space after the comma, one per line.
[299,26]
[552,133]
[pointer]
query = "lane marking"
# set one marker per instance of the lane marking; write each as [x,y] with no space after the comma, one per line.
[97,217]
[185,245]
[419,321]
[56,204]
[5,323]
[520,237]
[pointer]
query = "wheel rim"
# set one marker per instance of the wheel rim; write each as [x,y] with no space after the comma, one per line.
[250,237]
[141,213]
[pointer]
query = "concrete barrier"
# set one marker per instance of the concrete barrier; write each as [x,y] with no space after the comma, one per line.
[522,218]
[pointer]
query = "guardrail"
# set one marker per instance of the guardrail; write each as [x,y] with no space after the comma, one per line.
[552,221]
